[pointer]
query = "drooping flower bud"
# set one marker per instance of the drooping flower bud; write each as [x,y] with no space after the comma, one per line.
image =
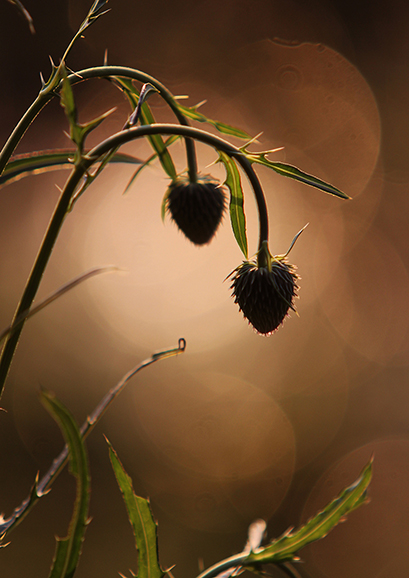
[197,208]
[265,293]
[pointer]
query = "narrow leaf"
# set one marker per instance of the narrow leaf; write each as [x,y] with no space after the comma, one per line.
[237,216]
[85,128]
[68,104]
[143,524]
[285,547]
[78,131]
[146,117]
[292,172]
[39,162]
[193,114]
[157,143]
[68,550]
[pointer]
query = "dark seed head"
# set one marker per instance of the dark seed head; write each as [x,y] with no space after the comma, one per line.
[265,296]
[197,208]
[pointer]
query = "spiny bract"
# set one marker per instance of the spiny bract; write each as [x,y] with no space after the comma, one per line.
[197,208]
[265,296]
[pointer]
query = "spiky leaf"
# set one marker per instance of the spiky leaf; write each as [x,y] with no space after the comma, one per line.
[78,131]
[69,549]
[39,162]
[237,216]
[146,117]
[286,547]
[192,113]
[293,172]
[143,524]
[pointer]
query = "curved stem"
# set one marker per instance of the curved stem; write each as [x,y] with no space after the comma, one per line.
[76,176]
[21,127]
[108,71]
[98,72]
[216,142]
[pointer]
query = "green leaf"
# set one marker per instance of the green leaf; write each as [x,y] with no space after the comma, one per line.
[146,117]
[192,113]
[292,172]
[39,162]
[68,104]
[68,549]
[78,131]
[157,143]
[285,547]
[143,524]
[237,216]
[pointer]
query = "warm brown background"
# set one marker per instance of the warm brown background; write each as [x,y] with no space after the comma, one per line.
[240,426]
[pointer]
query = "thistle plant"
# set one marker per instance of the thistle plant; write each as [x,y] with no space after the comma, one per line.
[264,286]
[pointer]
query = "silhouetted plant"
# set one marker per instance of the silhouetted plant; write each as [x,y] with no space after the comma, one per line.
[264,287]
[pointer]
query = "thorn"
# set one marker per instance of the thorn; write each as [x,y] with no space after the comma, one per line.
[199,104]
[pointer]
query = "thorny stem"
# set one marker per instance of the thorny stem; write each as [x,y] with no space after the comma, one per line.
[111,71]
[43,486]
[98,72]
[75,178]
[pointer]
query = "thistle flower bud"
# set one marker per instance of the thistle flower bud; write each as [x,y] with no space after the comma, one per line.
[197,208]
[264,294]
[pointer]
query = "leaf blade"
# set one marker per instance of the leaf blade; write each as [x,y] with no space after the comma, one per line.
[146,117]
[141,519]
[236,208]
[293,172]
[68,549]
[38,162]
[192,113]
[284,548]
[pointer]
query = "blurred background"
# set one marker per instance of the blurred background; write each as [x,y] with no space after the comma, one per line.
[240,426]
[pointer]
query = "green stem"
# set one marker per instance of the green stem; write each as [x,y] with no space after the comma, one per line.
[78,173]
[110,71]
[21,128]
[42,486]
[99,72]
[38,271]
[214,141]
